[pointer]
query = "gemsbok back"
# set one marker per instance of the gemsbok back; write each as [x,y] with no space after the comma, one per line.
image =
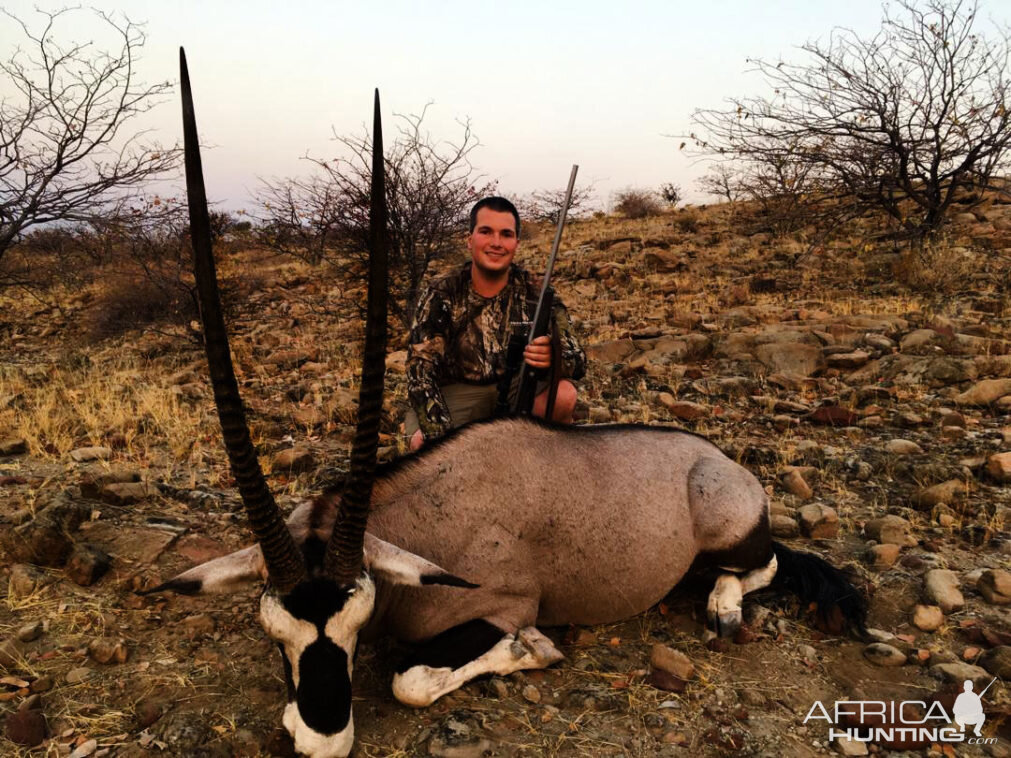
[474,541]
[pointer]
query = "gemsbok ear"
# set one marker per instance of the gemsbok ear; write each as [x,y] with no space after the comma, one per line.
[396,566]
[225,574]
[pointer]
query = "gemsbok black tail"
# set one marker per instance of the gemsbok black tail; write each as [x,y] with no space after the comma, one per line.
[839,606]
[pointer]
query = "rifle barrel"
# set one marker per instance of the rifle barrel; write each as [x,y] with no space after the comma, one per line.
[554,248]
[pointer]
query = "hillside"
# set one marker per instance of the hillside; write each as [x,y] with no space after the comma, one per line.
[867,388]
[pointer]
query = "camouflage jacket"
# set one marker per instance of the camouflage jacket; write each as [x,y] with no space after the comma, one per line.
[460,336]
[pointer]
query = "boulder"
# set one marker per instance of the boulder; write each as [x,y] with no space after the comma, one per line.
[957,673]
[942,587]
[791,358]
[883,654]
[293,460]
[903,447]
[985,392]
[819,521]
[998,467]
[87,564]
[995,586]
[997,661]
[881,557]
[672,661]
[891,530]
[928,618]
[951,491]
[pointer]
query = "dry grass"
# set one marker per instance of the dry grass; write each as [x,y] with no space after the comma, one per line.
[115,399]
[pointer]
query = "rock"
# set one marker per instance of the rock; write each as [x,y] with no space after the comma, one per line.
[30,632]
[998,466]
[819,521]
[25,580]
[953,490]
[833,415]
[198,624]
[664,680]
[890,530]
[985,392]
[783,526]
[794,483]
[957,673]
[881,557]
[31,703]
[293,460]
[13,446]
[84,454]
[791,358]
[147,711]
[531,694]
[599,415]
[127,493]
[941,586]
[682,409]
[28,728]
[396,362]
[856,359]
[672,661]
[903,447]
[995,586]
[846,746]
[927,618]
[42,684]
[106,650]
[997,661]
[882,654]
[309,416]
[45,540]
[86,748]
[92,483]
[87,564]
[78,675]
[952,418]
[11,653]
[615,351]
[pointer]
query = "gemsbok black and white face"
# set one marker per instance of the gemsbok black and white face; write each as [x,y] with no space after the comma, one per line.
[316,625]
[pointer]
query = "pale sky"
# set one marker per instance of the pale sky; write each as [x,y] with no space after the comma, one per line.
[545,84]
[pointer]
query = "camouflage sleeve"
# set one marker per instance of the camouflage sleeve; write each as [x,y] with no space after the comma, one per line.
[426,356]
[573,357]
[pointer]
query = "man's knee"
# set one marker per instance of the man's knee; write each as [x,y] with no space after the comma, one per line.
[565,403]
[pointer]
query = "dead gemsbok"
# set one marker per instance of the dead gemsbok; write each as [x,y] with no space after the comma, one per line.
[563,525]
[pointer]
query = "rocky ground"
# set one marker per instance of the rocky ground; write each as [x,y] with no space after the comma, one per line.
[878,418]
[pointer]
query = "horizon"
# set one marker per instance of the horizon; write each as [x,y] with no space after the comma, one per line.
[586,84]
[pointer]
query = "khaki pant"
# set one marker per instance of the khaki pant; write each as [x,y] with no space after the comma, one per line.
[467,402]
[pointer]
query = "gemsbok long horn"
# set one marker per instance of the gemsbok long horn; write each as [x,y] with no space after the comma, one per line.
[344,551]
[284,562]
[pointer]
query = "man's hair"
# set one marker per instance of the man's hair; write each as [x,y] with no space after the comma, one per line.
[498,204]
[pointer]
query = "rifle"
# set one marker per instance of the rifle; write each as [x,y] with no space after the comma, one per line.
[521,402]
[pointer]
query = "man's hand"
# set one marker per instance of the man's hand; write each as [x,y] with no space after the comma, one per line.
[538,353]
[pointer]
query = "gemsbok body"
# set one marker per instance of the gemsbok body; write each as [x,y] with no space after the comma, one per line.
[482,536]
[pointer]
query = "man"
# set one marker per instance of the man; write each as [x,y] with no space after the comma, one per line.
[461,331]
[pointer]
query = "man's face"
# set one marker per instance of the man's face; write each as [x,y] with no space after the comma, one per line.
[493,242]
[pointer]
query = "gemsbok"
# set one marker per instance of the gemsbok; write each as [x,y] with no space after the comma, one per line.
[480,537]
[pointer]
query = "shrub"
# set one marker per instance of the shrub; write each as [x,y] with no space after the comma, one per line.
[637,203]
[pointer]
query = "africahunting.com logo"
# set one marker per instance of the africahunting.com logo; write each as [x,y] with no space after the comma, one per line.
[906,720]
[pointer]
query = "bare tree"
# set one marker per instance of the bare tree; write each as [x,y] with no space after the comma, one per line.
[64,151]
[430,186]
[305,218]
[721,181]
[904,122]
[546,205]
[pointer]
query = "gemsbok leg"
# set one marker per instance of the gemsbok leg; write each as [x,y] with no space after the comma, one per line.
[444,664]
[724,607]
